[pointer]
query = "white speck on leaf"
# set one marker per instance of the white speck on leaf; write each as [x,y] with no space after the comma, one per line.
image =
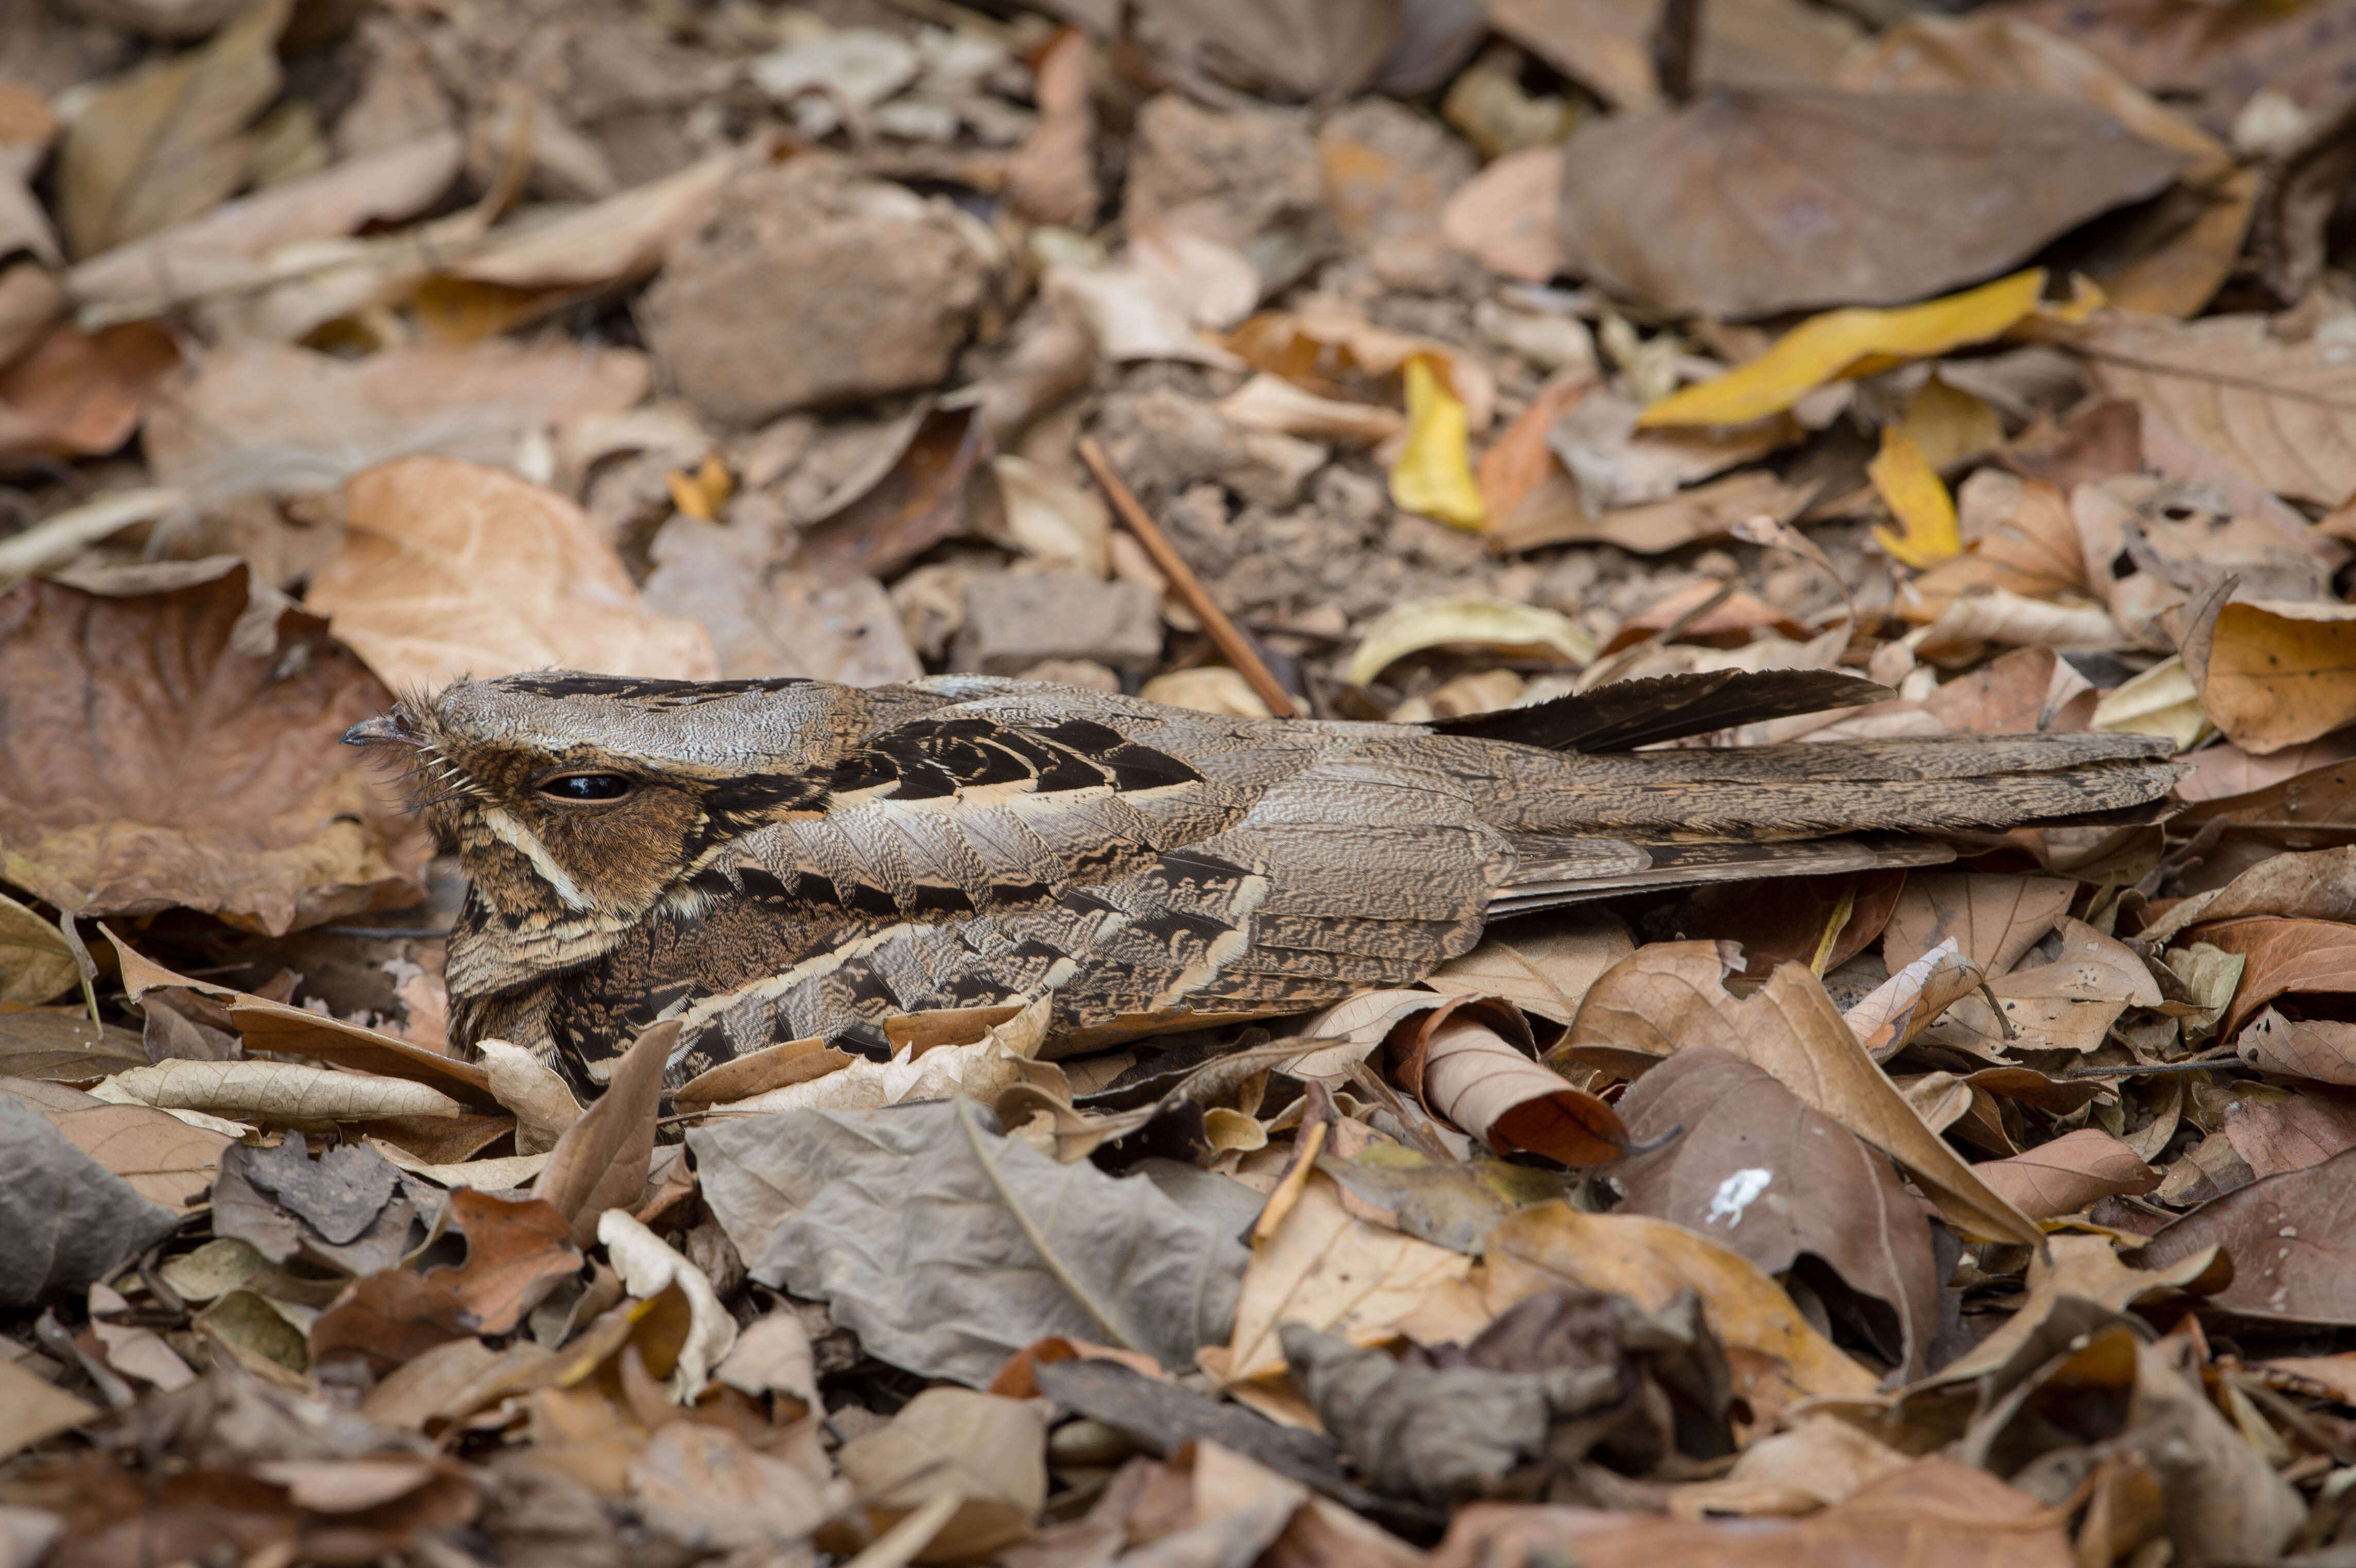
[1736,1193]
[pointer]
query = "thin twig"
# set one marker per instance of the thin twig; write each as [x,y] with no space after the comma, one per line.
[2137,1069]
[1677,48]
[1231,640]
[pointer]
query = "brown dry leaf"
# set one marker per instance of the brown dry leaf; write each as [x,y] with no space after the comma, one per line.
[2319,1049]
[79,394]
[2018,536]
[165,1159]
[2321,885]
[882,519]
[1763,1175]
[32,1411]
[1271,402]
[1661,998]
[1816,1461]
[227,248]
[1788,920]
[1315,1263]
[2288,1236]
[1052,179]
[543,1105]
[2174,257]
[168,141]
[517,1252]
[2275,673]
[268,1026]
[2287,958]
[1606,44]
[986,1453]
[1912,999]
[2067,1175]
[1544,966]
[1470,1075]
[2227,770]
[268,416]
[1671,996]
[1777,1357]
[36,963]
[1753,202]
[1934,1513]
[1335,352]
[178,746]
[1552,512]
[1994,919]
[2282,410]
[2278,1130]
[615,241]
[2067,1005]
[601,1161]
[40,1046]
[450,569]
[1504,217]
[1791,1028]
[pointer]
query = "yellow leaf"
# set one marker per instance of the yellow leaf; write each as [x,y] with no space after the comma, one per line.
[1951,425]
[1854,342]
[1434,471]
[1911,488]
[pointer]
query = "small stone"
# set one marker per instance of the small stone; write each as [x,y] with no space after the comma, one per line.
[811,286]
[1014,621]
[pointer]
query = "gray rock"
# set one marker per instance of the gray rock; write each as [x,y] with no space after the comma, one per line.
[810,286]
[1016,620]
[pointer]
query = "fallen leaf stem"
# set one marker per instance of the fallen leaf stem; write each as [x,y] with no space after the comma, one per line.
[1222,630]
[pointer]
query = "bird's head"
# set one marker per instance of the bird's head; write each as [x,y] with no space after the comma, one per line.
[577,803]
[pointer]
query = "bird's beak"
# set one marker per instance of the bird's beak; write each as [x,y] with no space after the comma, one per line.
[384,730]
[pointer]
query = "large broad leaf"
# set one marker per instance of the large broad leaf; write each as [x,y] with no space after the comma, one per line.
[947,1246]
[68,1219]
[2281,411]
[173,741]
[1746,203]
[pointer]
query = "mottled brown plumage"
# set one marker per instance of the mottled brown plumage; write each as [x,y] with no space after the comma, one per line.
[767,860]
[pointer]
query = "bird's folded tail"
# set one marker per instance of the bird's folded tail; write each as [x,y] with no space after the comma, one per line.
[1667,818]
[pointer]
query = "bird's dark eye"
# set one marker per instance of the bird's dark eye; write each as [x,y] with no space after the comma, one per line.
[587,786]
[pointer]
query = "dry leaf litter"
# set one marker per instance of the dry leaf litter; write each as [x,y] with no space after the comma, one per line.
[1460,356]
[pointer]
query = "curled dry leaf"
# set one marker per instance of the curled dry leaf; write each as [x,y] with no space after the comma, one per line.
[543,1106]
[2317,885]
[1912,999]
[882,519]
[1467,620]
[1762,1174]
[450,569]
[276,1091]
[226,248]
[1271,402]
[298,1031]
[1473,1076]
[2067,1175]
[647,1266]
[1335,352]
[182,768]
[1751,202]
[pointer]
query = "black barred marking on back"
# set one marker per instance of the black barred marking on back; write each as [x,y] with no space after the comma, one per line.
[636,688]
[934,759]
[755,794]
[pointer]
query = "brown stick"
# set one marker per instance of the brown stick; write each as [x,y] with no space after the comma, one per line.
[1224,631]
[1677,41]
